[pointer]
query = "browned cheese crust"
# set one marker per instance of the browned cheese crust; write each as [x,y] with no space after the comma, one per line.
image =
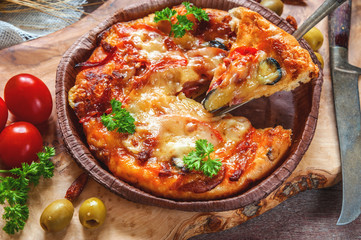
[156,77]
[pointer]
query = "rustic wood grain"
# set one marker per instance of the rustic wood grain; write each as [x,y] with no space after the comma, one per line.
[320,167]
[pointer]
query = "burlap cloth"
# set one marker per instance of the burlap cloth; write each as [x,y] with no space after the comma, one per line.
[19,23]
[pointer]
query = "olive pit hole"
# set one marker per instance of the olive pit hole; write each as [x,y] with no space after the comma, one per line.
[92,223]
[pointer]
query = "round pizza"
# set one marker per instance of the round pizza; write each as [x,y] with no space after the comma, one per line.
[146,97]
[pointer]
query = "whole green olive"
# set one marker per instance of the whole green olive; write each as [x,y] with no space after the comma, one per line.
[314,37]
[92,213]
[274,5]
[57,215]
[320,58]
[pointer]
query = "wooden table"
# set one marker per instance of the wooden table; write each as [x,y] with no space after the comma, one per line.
[311,214]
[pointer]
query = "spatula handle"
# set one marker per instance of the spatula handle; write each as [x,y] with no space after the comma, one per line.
[322,11]
[340,19]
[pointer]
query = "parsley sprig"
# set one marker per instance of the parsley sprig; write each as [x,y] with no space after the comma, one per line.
[119,119]
[200,159]
[14,190]
[183,24]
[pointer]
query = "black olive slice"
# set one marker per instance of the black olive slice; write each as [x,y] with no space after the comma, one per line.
[269,71]
[217,44]
[217,99]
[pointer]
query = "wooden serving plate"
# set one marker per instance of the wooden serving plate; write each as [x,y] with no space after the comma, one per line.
[320,166]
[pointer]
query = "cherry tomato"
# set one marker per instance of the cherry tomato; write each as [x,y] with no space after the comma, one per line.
[20,142]
[28,98]
[3,114]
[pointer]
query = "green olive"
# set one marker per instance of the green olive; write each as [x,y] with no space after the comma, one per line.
[92,213]
[314,37]
[320,58]
[274,5]
[57,215]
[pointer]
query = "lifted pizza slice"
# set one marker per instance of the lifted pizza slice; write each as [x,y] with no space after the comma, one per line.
[263,60]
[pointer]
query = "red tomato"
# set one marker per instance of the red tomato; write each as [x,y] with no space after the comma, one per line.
[20,142]
[28,98]
[3,114]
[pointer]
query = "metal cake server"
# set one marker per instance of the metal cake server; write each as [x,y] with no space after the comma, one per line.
[348,116]
[326,8]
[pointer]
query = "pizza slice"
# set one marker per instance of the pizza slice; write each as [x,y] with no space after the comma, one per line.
[263,60]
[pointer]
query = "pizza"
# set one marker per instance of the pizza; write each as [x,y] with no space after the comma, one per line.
[172,146]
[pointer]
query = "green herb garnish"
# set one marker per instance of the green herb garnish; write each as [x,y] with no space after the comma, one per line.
[182,24]
[200,159]
[15,190]
[119,119]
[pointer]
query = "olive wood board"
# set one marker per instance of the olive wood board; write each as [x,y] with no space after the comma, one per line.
[319,168]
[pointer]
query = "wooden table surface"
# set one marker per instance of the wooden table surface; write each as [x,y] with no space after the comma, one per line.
[308,215]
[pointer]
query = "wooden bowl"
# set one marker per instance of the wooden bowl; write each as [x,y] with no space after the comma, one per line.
[297,110]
